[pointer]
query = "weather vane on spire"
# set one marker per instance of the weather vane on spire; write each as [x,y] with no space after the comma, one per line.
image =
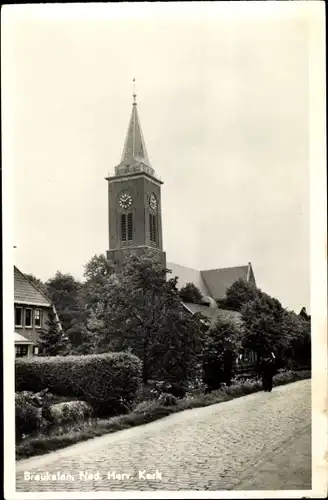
[134,91]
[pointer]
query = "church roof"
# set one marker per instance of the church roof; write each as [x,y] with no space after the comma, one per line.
[26,292]
[218,280]
[212,283]
[188,275]
[134,150]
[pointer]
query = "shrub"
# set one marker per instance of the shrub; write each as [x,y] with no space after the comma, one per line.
[220,351]
[145,406]
[70,411]
[106,381]
[27,415]
[167,399]
[190,293]
[161,387]
[176,390]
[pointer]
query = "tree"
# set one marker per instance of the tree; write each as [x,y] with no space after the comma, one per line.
[190,293]
[98,271]
[176,353]
[298,331]
[239,293]
[222,345]
[64,290]
[140,311]
[98,267]
[265,325]
[81,332]
[52,341]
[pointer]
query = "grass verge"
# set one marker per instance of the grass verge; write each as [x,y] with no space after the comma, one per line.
[144,413]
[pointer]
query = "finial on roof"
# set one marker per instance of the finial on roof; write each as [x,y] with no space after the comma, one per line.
[134,91]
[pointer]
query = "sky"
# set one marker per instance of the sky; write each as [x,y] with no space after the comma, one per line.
[223,100]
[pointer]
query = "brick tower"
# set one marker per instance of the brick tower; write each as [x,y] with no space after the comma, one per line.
[134,200]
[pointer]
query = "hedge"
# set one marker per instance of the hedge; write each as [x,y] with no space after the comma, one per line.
[27,415]
[106,381]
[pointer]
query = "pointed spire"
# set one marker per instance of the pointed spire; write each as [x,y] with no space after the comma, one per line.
[134,147]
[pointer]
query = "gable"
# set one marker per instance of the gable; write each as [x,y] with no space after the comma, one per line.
[218,280]
[26,293]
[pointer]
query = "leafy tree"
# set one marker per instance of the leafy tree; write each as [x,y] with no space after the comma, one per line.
[140,311]
[98,267]
[98,271]
[190,293]
[176,353]
[239,293]
[64,290]
[222,345]
[298,331]
[81,331]
[265,325]
[52,341]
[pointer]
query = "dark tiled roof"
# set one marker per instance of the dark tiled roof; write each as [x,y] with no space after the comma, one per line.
[218,280]
[27,293]
[195,308]
[213,313]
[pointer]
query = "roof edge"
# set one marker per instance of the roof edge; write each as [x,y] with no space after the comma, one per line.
[30,282]
[223,268]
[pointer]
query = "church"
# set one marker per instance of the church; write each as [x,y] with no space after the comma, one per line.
[135,223]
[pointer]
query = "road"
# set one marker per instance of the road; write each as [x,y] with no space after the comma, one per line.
[246,443]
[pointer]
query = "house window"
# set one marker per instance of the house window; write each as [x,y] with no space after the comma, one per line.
[21,350]
[18,316]
[37,318]
[152,228]
[126,227]
[28,317]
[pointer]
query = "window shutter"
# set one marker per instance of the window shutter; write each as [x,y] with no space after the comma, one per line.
[123,227]
[130,227]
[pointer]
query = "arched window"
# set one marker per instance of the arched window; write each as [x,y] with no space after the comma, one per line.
[127,227]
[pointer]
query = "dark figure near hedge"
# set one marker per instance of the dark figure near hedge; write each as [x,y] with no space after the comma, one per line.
[267,370]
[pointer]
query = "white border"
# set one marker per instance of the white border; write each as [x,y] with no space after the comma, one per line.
[314,12]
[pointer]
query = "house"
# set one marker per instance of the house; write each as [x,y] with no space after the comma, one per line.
[31,310]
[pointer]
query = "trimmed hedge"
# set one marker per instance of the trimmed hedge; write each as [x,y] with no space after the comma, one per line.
[106,381]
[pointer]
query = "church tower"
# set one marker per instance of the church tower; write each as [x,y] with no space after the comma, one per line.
[134,200]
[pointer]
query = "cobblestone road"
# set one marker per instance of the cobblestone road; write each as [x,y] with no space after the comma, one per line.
[211,448]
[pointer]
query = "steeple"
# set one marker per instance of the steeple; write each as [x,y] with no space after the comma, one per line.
[134,199]
[134,150]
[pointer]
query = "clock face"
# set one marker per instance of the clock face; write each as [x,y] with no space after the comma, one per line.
[152,202]
[125,201]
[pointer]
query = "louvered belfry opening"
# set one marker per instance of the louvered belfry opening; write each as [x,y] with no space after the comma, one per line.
[127,227]
[130,227]
[152,228]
